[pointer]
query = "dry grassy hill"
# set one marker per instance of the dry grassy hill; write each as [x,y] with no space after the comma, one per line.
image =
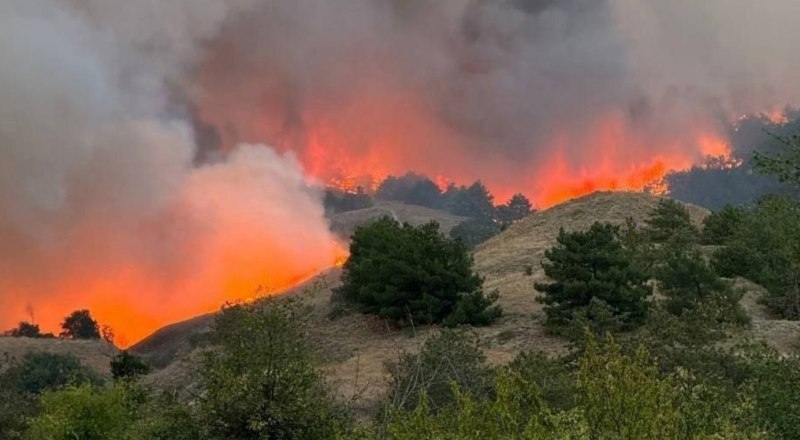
[356,347]
[345,223]
[95,354]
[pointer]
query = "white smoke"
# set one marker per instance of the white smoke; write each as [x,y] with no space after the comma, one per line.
[101,204]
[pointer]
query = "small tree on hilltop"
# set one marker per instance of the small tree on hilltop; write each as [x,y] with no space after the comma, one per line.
[26,330]
[592,265]
[80,325]
[516,209]
[414,274]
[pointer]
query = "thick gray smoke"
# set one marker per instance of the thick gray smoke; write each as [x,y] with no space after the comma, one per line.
[101,205]
[505,90]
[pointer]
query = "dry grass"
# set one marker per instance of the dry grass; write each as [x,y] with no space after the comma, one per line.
[345,223]
[94,354]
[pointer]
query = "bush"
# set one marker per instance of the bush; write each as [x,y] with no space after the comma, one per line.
[447,358]
[40,372]
[84,413]
[670,220]
[592,265]
[475,232]
[337,202]
[475,202]
[411,188]
[26,330]
[554,379]
[517,208]
[414,275]
[80,325]
[127,366]
[261,381]
[686,279]
[764,249]
[721,226]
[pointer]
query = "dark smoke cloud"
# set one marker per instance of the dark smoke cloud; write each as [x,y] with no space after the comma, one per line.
[513,79]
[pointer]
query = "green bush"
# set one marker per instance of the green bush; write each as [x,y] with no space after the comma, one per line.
[414,275]
[40,372]
[474,232]
[261,380]
[765,249]
[670,220]
[686,279]
[127,366]
[592,265]
[447,358]
[722,225]
[83,412]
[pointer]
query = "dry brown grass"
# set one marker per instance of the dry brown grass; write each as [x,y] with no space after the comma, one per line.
[94,354]
[345,223]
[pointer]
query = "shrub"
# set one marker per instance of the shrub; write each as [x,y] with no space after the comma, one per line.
[670,220]
[414,274]
[686,279]
[765,250]
[447,358]
[517,208]
[411,188]
[554,379]
[261,381]
[337,202]
[127,366]
[26,330]
[475,201]
[84,413]
[40,372]
[722,225]
[592,265]
[474,232]
[624,397]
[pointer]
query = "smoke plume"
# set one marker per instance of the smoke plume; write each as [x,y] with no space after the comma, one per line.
[102,206]
[133,182]
[548,97]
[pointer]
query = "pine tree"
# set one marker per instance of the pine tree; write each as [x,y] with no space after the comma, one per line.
[670,221]
[475,202]
[414,274]
[516,209]
[592,264]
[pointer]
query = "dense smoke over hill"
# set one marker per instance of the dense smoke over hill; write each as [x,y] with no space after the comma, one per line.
[550,97]
[109,107]
[101,205]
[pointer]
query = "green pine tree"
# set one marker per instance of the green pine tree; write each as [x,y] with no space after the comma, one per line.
[592,265]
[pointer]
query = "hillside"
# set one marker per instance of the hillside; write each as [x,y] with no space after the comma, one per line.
[95,354]
[356,347]
[343,224]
